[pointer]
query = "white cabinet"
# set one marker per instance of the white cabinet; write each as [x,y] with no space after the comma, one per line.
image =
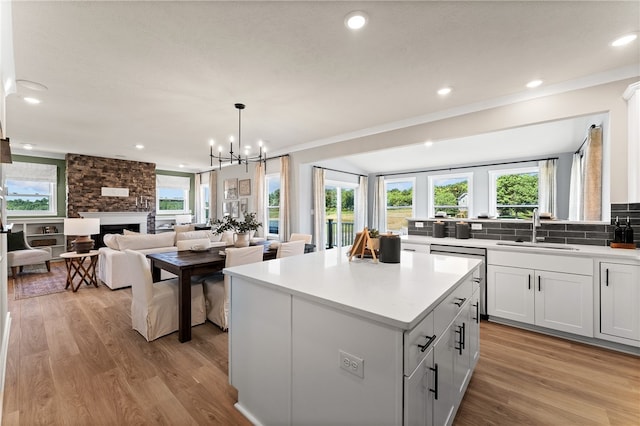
[533,290]
[620,301]
[43,232]
[418,401]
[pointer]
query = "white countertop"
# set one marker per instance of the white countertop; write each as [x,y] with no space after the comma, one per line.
[397,294]
[580,250]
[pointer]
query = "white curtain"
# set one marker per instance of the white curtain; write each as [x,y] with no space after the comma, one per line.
[380,205]
[319,203]
[547,189]
[213,195]
[575,188]
[361,203]
[261,207]
[198,205]
[285,208]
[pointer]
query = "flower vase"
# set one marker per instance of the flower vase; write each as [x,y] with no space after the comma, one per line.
[241,239]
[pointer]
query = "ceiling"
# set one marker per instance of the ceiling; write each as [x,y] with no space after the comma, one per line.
[167,74]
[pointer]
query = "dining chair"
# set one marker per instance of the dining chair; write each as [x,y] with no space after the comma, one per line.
[292,248]
[217,289]
[304,237]
[154,306]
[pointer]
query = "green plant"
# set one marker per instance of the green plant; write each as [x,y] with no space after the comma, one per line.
[373,233]
[228,223]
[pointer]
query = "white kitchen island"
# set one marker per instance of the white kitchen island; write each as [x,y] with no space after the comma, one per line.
[316,339]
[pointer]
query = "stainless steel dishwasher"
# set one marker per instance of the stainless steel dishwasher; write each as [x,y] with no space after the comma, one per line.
[473,252]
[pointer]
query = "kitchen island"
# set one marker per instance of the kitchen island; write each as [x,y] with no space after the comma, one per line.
[316,339]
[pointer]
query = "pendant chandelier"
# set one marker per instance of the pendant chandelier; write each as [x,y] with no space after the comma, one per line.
[238,158]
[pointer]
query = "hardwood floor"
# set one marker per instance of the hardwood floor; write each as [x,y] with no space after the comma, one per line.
[74,359]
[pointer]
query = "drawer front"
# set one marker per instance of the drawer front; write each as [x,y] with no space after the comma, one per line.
[446,311]
[418,248]
[417,343]
[543,262]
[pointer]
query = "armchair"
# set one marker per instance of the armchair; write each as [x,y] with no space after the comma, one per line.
[20,253]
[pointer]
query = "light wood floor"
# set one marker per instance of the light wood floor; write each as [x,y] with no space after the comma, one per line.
[73,359]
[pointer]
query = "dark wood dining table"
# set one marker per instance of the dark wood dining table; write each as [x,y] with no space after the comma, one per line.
[186,264]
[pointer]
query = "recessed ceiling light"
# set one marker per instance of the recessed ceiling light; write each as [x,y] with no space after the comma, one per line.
[444,91]
[139,146]
[534,83]
[181,165]
[28,84]
[356,20]
[621,41]
[428,144]
[32,101]
[27,146]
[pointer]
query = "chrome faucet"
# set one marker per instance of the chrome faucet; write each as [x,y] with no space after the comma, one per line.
[534,225]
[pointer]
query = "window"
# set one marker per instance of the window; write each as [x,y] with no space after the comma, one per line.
[31,189]
[451,194]
[513,193]
[273,204]
[400,202]
[172,194]
[339,213]
[205,196]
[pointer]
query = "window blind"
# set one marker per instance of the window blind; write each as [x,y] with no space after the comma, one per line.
[176,182]
[33,172]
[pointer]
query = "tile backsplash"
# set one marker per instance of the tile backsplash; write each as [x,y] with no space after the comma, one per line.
[597,234]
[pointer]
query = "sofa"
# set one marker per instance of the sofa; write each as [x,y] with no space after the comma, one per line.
[112,260]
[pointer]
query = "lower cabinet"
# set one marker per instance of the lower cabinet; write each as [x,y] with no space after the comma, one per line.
[619,301]
[547,298]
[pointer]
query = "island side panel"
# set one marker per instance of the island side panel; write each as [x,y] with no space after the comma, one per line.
[325,393]
[260,351]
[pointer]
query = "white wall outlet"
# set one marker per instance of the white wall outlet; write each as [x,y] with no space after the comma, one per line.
[352,364]
[419,224]
[476,226]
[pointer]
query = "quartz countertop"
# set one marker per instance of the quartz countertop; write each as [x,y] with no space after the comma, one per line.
[396,294]
[577,250]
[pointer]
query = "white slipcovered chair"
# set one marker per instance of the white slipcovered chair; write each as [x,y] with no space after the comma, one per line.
[217,289]
[154,306]
[304,237]
[25,254]
[292,248]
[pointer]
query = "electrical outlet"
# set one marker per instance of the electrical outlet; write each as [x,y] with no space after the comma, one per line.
[476,226]
[419,224]
[352,364]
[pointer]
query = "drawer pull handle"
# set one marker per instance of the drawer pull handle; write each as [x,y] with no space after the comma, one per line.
[435,380]
[477,306]
[408,249]
[459,302]
[476,279]
[427,343]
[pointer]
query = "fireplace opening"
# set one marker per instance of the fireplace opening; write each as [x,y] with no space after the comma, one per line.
[113,229]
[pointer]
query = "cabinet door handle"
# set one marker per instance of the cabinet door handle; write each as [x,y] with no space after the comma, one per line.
[460,332]
[427,343]
[464,335]
[477,306]
[607,280]
[539,279]
[459,302]
[435,381]
[529,281]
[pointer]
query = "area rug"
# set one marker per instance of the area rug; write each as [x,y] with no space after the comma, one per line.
[36,281]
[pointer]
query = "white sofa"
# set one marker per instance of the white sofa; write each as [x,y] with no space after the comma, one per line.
[112,261]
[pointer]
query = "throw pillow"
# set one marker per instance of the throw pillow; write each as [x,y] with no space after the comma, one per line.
[111,241]
[127,232]
[15,241]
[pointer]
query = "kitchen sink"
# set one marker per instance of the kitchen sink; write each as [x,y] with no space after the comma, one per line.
[536,245]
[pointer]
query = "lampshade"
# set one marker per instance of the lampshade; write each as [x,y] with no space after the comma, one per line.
[5,151]
[81,226]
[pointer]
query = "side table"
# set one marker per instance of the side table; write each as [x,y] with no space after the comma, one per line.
[75,263]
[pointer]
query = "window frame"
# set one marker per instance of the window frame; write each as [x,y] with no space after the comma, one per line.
[340,186]
[53,194]
[386,198]
[493,190]
[186,191]
[431,197]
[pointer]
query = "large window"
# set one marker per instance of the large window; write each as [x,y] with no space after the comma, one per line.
[451,194]
[400,202]
[273,204]
[513,193]
[339,213]
[31,189]
[172,194]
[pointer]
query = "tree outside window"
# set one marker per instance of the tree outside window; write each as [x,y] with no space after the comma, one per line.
[273,203]
[399,202]
[514,192]
[31,189]
[451,194]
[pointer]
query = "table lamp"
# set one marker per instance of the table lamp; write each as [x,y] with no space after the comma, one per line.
[82,229]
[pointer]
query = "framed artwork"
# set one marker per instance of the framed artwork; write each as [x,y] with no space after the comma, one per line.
[226,208]
[231,189]
[244,187]
[244,205]
[235,209]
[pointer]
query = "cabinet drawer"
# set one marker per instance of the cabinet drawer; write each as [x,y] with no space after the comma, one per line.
[417,343]
[446,311]
[418,248]
[542,262]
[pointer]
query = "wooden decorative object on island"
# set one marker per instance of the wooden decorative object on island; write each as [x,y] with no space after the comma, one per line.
[631,246]
[360,245]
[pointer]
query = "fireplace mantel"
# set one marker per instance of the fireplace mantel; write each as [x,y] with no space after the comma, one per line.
[120,218]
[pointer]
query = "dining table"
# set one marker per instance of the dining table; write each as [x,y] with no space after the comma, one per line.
[185,264]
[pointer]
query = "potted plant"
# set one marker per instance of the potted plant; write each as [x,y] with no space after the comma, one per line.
[374,239]
[241,228]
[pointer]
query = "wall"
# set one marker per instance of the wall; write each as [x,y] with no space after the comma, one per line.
[87,175]
[596,99]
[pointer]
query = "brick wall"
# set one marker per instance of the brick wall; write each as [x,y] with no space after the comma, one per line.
[87,175]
